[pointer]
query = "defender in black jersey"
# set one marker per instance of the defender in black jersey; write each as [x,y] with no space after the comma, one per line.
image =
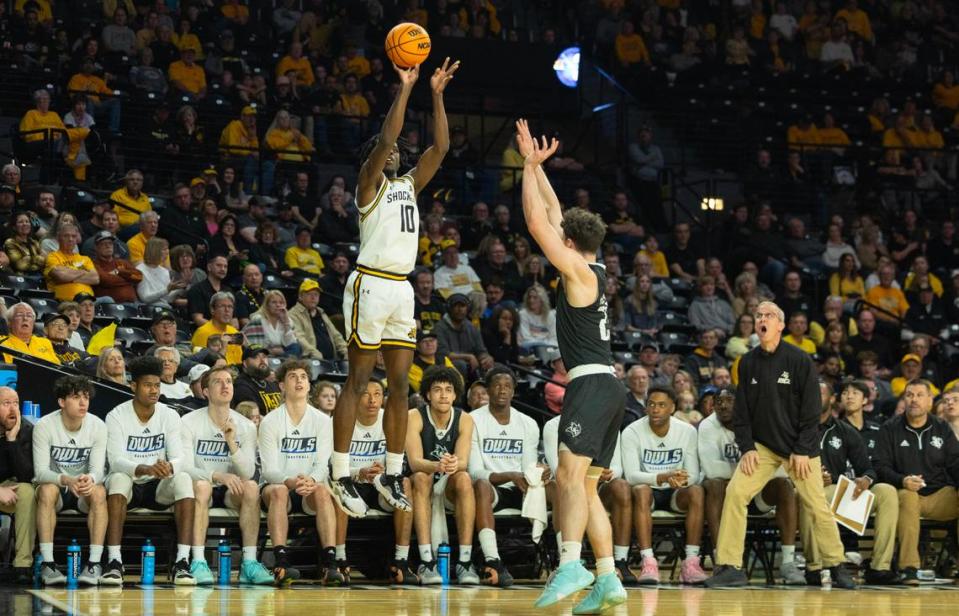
[595,400]
[438,439]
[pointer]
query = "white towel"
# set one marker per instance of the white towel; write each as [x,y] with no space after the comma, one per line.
[439,533]
[534,502]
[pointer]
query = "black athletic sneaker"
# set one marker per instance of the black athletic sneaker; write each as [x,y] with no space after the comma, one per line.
[391,488]
[23,576]
[910,576]
[842,578]
[402,575]
[888,577]
[329,575]
[626,576]
[495,574]
[284,575]
[345,495]
[180,574]
[112,574]
[813,578]
[727,575]
[344,568]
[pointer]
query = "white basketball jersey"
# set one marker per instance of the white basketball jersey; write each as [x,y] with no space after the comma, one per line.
[390,228]
[368,445]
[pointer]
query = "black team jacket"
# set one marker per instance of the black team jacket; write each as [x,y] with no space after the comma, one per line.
[842,448]
[931,451]
[778,402]
[16,457]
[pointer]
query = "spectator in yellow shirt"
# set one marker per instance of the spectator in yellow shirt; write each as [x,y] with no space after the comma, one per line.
[287,144]
[240,141]
[945,94]
[42,7]
[357,64]
[888,297]
[920,271]
[833,136]
[149,225]
[220,323]
[857,21]
[804,135]
[630,47]
[184,39]
[130,201]
[911,368]
[354,108]
[798,327]
[68,272]
[20,321]
[86,82]
[301,257]
[186,76]
[47,123]
[295,61]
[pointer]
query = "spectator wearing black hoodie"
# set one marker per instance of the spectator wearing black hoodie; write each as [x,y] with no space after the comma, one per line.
[16,476]
[919,455]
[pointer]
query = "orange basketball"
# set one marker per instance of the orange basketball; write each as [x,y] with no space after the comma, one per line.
[407,45]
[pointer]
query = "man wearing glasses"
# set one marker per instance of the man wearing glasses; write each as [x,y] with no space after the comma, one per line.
[776,422]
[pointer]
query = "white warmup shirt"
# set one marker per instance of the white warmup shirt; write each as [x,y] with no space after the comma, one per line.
[57,451]
[177,390]
[718,452]
[208,451]
[497,448]
[368,445]
[288,450]
[551,449]
[645,455]
[131,443]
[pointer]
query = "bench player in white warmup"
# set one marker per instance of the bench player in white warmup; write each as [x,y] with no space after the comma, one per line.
[147,460]
[378,301]
[69,462]
[222,450]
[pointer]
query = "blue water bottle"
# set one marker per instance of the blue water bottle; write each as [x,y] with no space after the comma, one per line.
[224,562]
[26,411]
[37,567]
[73,563]
[148,559]
[443,562]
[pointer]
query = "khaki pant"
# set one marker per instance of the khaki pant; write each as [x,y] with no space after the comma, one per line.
[742,489]
[25,522]
[941,506]
[886,509]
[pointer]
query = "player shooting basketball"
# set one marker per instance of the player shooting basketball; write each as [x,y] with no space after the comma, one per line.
[378,302]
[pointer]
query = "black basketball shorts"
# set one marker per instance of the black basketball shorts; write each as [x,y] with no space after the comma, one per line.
[592,415]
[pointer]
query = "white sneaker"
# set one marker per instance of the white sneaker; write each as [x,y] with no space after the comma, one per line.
[854,558]
[90,575]
[429,575]
[466,575]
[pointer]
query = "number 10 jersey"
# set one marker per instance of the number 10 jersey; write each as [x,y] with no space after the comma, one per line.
[389,228]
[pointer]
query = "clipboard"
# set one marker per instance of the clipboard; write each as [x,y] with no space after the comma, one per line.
[853,514]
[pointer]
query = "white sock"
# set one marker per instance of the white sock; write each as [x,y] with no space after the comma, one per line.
[46,551]
[197,552]
[96,553]
[487,539]
[647,553]
[182,552]
[569,551]
[620,552]
[341,465]
[692,551]
[605,566]
[401,552]
[559,537]
[249,553]
[394,463]
[788,554]
[466,553]
[113,553]
[341,551]
[426,553]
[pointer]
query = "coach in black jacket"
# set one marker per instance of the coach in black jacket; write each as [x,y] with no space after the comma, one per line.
[776,422]
[16,475]
[842,448]
[919,454]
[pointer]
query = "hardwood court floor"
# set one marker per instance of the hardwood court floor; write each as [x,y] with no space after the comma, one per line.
[305,600]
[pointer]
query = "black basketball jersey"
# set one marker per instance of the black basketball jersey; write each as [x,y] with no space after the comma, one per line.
[435,446]
[583,333]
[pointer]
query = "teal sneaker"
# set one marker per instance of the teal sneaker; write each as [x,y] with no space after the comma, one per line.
[201,573]
[253,572]
[607,592]
[565,581]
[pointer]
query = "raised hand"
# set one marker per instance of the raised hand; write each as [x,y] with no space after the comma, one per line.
[524,141]
[443,75]
[538,150]
[408,76]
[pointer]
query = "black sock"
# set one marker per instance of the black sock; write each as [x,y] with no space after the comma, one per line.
[281,556]
[329,556]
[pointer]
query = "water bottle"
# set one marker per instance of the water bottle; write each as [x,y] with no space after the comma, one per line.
[826,579]
[26,414]
[443,562]
[36,412]
[37,566]
[224,562]
[73,563]
[148,559]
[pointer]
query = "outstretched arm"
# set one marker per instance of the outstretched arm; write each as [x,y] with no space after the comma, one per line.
[432,158]
[554,211]
[566,260]
[371,173]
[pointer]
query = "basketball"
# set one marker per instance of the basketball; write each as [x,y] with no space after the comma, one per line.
[407,45]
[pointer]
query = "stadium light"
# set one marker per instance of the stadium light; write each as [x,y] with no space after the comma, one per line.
[711,204]
[567,67]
